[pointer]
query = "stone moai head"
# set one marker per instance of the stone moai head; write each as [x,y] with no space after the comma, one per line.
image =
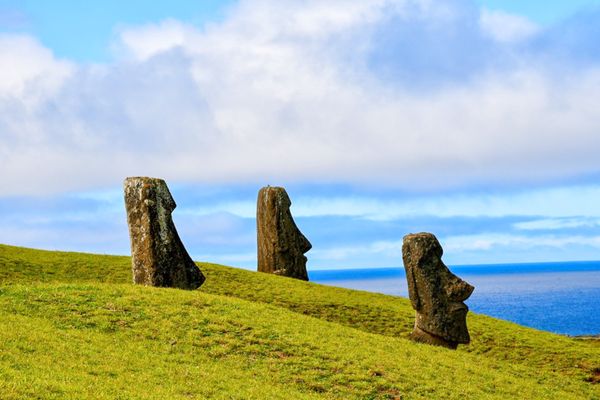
[436,294]
[158,256]
[281,245]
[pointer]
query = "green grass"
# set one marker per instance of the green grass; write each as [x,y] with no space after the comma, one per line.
[73,326]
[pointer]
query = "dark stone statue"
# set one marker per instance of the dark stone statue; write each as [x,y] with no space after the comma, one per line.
[436,294]
[281,245]
[157,255]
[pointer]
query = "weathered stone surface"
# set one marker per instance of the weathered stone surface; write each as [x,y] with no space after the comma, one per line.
[281,245]
[157,255]
[436,294]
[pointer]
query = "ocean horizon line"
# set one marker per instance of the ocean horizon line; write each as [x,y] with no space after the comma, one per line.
[479,269]
[559,297]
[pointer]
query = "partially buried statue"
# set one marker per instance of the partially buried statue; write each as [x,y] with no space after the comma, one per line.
[158,257]
[436,294]
[281,245]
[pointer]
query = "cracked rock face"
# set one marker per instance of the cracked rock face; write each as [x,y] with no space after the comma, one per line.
[436,294]
[157,254]
[281,245]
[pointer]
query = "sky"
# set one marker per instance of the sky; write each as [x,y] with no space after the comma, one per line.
[474,120]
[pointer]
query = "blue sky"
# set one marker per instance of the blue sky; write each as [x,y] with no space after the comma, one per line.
[476,121]
[540,11]
[83,30]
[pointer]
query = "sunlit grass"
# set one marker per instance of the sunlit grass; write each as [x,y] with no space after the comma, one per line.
[72,326]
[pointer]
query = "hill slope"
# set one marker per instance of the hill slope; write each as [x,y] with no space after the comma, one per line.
[73,327]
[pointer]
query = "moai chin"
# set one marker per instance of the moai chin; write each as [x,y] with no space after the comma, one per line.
[436,294]
[281,245]
[158,257]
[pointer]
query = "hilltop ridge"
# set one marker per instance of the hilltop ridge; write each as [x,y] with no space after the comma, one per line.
[73,326]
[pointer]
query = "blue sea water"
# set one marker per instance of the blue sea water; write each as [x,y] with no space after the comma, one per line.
[561,297]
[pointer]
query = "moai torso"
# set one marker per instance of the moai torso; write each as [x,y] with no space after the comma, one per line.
[436,294]
[157,255]
[281,245]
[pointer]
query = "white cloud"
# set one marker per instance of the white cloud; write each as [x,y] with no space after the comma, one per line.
[551,202]
[464,249]
[485,248]
[382,249]
[282,92]
[143,42]
[505,27]
[555,202]
[30,72]
[239,260]
[516,242]
[557,224]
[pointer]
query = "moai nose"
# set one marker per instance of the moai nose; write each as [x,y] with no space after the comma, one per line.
[457,289]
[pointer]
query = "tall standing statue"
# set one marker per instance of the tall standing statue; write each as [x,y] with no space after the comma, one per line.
[157,255]
[281,245]
[436,294]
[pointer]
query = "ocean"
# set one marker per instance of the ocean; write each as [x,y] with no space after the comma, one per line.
[560,297]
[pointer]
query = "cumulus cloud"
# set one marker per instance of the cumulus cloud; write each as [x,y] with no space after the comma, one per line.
[465,249]
[351,232]
[406,93]
[506,27]
[555,203]
[30,72]
[146,41]
[380,250]
[557,224]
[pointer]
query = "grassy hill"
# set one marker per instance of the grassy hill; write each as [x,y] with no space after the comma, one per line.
[73,326]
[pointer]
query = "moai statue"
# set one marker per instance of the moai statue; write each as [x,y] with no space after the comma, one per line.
[157,255]
[281,245]
[436,294]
